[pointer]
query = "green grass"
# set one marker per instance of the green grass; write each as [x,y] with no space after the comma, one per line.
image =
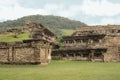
[67,32]
[62,70]
[9,37]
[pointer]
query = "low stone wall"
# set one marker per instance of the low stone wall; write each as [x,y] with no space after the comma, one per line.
[26,52]
[112,54]
[109,57]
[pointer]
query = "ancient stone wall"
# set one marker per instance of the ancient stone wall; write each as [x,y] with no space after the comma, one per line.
[37,50]
[38,31]
[104,41]
[4,54]
[25,52]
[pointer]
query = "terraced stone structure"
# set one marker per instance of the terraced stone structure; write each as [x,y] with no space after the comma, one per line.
[38,31]
[91,43]
[33,51]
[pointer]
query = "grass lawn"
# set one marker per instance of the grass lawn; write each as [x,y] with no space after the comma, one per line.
[67,32]
[62,70]
[9,37]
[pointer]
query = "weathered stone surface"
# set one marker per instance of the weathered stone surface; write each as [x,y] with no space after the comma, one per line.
[4,55]
[93,43]
[34,51]
[38,31]
[24,55]
[37,52]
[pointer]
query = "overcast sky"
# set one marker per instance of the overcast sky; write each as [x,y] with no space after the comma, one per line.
[91,12]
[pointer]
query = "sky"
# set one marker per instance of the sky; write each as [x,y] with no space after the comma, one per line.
[91,12]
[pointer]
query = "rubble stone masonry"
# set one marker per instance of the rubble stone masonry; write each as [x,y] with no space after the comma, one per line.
[28,51]
[91,43]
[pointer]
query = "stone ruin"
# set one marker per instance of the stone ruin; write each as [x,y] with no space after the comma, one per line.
[38,31]
[91,43]
[36,50]
[28,51]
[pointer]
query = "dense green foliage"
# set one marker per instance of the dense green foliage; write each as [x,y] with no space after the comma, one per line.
[54,23]
[62,70]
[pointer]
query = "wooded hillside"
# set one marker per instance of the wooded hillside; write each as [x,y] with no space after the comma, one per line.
[54,23]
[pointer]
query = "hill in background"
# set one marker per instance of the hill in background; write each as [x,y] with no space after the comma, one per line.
[56,24]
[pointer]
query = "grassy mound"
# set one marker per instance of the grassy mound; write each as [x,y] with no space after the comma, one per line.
[67,32]
[10,37]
